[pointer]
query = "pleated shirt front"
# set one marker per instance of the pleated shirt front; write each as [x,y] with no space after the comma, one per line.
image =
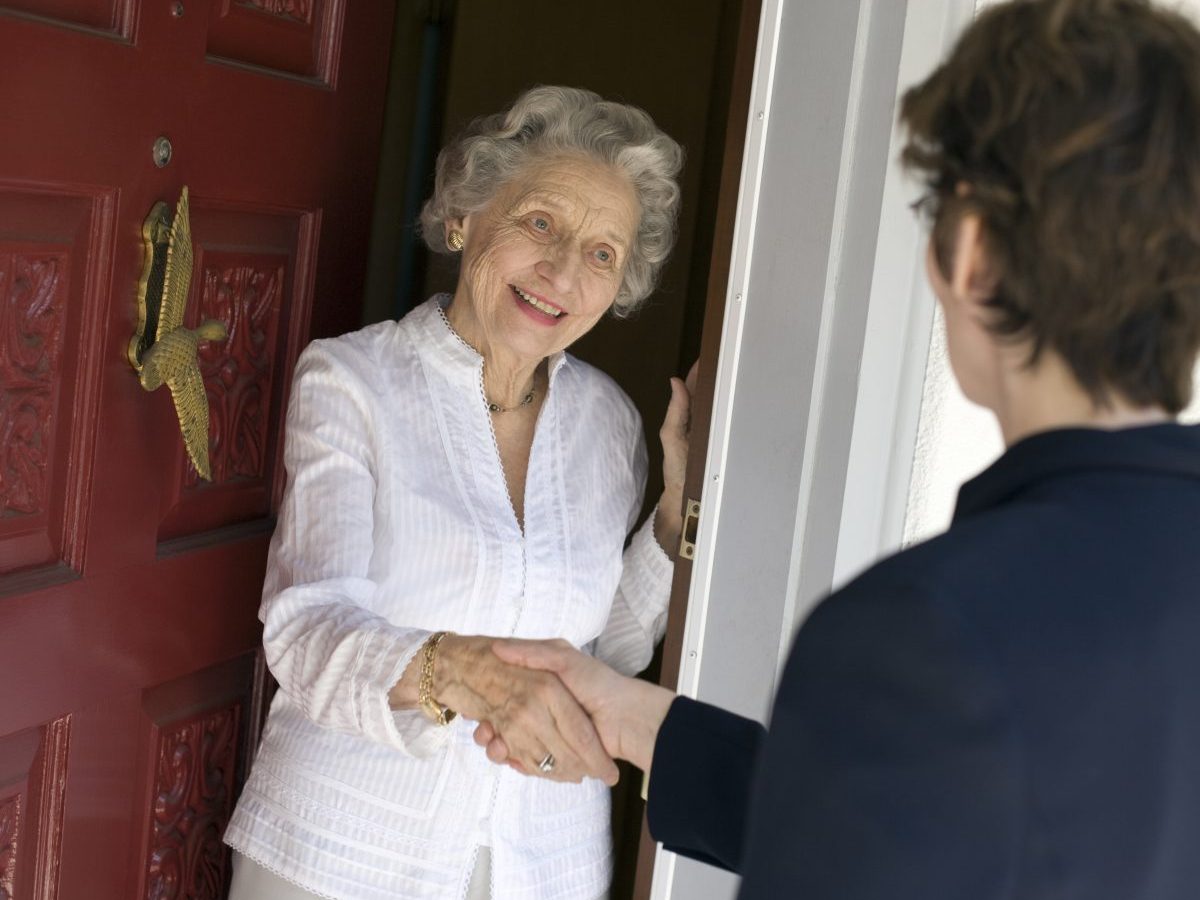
[396,522]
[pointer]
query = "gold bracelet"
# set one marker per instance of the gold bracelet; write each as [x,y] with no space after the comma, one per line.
[440,714]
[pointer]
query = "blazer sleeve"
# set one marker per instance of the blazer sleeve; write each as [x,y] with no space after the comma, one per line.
[700,781]
[892,769]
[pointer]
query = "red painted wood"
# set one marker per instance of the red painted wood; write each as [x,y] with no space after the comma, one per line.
[297,37]
[32,782]
[48,259]
[113,16]
[10,820]
[192,757]
[128,589]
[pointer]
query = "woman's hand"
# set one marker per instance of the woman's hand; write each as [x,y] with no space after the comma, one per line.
[627,712]
[531,708]
[675,435]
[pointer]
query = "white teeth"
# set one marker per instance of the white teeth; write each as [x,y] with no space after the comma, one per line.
[538,304]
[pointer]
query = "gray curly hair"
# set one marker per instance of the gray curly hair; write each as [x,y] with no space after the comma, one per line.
[554,121]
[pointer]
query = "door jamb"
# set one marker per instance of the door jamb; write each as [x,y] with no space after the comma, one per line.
[820,192]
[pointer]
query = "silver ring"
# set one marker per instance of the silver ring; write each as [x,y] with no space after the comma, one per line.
[547,763]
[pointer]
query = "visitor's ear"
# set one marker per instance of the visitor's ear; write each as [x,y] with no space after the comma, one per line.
[971,276]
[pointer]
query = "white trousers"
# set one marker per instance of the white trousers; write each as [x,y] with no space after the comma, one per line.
[253,882]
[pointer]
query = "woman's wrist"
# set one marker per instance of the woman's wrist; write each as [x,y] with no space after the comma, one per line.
[427,697]
[457,656]
[443,682]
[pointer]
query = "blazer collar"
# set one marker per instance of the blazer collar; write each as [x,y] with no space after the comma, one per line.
[1167,449]
[452,356]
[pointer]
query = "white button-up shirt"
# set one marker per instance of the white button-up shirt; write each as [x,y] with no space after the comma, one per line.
[396,523]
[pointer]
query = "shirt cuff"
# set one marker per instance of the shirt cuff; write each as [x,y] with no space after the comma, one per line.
[408,730]
[647,574]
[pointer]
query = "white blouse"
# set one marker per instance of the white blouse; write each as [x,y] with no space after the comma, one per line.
[396,523]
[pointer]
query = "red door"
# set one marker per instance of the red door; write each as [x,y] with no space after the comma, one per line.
[129,690]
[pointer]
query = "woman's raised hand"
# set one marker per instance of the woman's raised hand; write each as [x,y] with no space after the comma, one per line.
[532,709]
[675,435]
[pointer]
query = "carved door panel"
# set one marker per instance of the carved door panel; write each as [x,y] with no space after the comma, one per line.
[129,587]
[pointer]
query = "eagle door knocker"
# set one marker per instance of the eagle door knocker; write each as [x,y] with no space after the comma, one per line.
[171,356]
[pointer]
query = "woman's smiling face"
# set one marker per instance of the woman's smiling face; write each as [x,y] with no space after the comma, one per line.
[544,260]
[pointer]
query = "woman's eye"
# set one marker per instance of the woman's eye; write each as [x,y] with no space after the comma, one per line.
[604,256]
[540,224]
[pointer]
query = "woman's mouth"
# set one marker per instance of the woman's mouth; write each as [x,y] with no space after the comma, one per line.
[540,305]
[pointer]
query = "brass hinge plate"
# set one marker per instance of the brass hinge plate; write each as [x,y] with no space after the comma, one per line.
[687,535]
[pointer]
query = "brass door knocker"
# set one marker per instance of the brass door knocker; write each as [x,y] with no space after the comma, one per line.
[171,357]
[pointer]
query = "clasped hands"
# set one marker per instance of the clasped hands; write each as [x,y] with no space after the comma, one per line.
[581,711]
[534,699]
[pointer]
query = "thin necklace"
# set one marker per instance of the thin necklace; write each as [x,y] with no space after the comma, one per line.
[492,407]
[497,408]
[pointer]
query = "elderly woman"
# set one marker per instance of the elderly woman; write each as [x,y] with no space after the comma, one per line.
[452,477]
[1008,711]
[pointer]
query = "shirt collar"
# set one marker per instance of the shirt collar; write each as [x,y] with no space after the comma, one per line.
[1167,449]
[452,353]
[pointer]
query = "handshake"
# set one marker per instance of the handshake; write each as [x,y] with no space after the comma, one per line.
[546,709]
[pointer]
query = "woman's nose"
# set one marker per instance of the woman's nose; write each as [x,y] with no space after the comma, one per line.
[560,265]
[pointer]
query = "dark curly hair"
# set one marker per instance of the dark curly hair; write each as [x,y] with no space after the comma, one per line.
[1072,129]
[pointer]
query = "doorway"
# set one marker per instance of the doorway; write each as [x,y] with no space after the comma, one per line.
[672,58]
[675,59]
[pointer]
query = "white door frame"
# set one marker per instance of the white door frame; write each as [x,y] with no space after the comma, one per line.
[826,332]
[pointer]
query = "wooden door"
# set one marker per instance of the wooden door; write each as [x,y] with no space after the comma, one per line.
[129,686]
[724,216]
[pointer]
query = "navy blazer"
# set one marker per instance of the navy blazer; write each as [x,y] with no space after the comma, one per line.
[1010,710]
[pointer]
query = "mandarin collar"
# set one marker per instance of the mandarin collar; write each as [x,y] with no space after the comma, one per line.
[1166,448]
[454,356]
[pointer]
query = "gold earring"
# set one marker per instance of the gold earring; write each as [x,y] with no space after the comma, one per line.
[455,240]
